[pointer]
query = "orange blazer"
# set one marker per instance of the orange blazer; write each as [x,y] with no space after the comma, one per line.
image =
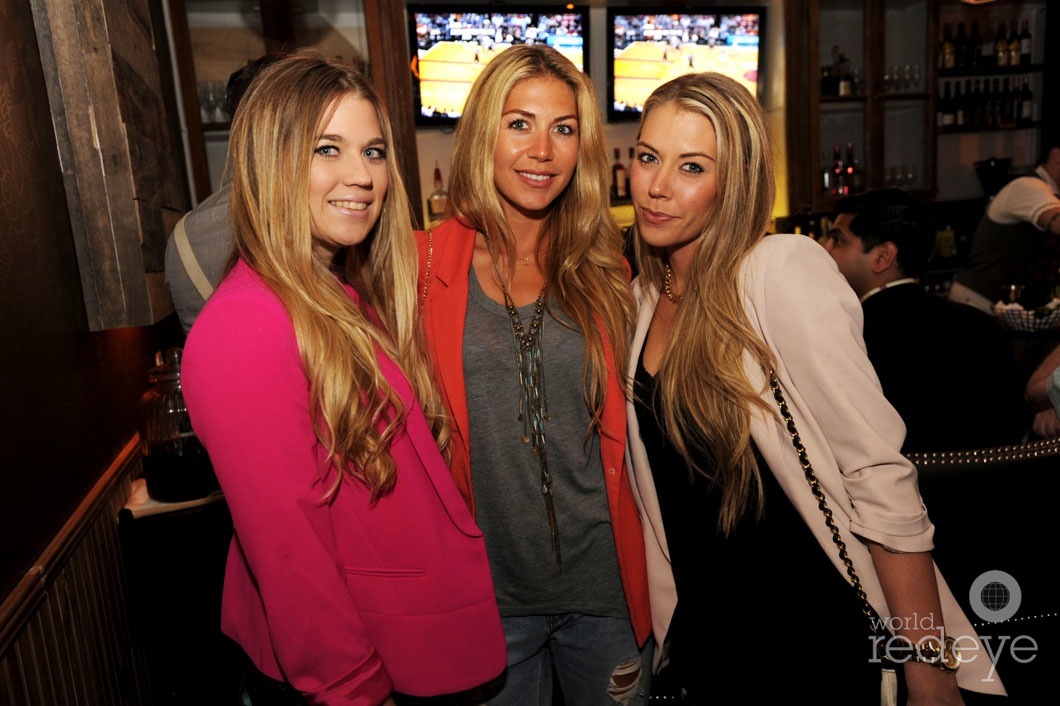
[445,261]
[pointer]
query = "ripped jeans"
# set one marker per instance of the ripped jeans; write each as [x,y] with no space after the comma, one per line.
[595,662]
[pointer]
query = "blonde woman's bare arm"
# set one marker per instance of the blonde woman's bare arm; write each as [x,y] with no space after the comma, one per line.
[912,595]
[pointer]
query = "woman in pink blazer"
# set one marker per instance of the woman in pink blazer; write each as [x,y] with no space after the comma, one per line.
[356,573]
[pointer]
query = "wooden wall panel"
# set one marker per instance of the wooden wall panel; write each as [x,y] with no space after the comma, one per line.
[117,149]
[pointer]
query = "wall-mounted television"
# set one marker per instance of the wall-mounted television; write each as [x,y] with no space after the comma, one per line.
[451,42]
[649,47]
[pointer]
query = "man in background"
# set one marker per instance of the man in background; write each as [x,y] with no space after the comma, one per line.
[201,243]
[1016,242]
[948,369]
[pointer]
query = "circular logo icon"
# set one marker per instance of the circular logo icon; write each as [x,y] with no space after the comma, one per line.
[995,596]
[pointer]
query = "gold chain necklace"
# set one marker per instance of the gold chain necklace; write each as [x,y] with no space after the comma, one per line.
[668,277]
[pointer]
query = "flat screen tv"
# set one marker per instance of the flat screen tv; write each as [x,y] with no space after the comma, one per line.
[648,48]
[452,42]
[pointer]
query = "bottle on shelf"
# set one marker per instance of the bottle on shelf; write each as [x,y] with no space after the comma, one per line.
[1008,104]
[958,105]
[850,171]
[977,116]
[859,178]
[1026,103]
[986,53]
[975,46]
[438,199]
[1025,44]
[838,173]
[1000,46]
[1014,46]
[846,78]
[618,178]
[994,104]
[948,55]
[961,48]
[946,108]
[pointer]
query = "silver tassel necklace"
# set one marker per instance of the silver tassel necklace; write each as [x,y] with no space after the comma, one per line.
[533,409]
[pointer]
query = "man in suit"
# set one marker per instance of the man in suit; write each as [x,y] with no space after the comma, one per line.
[948,369]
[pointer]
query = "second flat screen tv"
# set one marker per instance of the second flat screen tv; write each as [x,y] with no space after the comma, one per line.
[648,49]
[452,42]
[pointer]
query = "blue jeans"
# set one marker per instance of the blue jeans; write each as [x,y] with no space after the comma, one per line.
[595,661]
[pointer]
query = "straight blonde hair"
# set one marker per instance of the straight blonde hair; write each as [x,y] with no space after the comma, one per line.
[707,400]
[584,267]
[356,413]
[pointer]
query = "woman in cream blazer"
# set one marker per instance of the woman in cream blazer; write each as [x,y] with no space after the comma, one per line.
[738,304]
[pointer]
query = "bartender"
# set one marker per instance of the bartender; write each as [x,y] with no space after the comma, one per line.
[1016,242]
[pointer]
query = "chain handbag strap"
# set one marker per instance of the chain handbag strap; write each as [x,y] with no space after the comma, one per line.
[818,493]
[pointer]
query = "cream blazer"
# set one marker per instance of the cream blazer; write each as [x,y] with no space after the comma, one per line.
[801,306]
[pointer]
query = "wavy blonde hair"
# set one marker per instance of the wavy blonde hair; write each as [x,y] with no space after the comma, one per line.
[707,400]
[584,267]
[356,413]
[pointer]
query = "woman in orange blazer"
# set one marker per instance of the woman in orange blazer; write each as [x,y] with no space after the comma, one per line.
[528,309]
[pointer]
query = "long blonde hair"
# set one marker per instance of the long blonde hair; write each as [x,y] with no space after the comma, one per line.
[707,400]
[584,267]
[273,138]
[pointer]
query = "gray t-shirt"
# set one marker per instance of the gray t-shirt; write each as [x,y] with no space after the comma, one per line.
[506,474]
[209,229]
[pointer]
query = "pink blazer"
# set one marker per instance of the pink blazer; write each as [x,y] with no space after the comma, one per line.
[343,598]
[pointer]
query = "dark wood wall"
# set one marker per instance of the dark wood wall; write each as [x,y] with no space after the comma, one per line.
[67,395]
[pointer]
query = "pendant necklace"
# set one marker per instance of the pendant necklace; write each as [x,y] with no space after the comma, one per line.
[533,409]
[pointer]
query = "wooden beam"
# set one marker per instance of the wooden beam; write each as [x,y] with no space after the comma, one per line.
[189,98]
[388,61]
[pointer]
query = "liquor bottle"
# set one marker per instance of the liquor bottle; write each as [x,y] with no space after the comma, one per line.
[838,173]
[1000,46]
[1014,46]
[961,48]
[850,171]
[975,46]
[826,174]
[438,199]
[846,79]
[995,104]
[975,102]
[1025,44]
[859,180]
[986,53]
[949,116]
[1026,103]
[1008,112]
[958,105]
[618,178]
[949,55]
